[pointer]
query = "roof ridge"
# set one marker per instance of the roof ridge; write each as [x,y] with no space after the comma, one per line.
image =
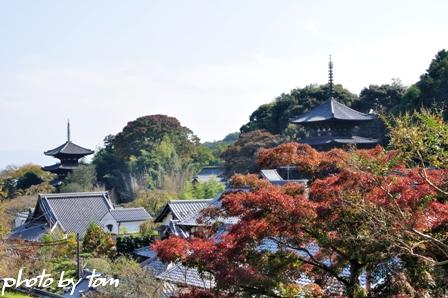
[45,199]
[353,110]
[190,201]
[65,145]
[332,106]
[73,194]
[127,208]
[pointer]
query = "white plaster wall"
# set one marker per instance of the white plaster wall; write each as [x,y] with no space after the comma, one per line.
[130,227]
[109,220]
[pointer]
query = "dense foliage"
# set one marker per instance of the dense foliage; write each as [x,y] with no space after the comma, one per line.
[127,244]
[241,156]
[28,179]
[97,242]
[432,88]
[373,222]
[82,178]
[152,152]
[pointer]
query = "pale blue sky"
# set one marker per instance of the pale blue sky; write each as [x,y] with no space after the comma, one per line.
[208,63]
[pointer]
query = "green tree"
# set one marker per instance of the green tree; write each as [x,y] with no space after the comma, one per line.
[433,84]
[431,90]
[83,178]
[151,200]
[420,138]
[97,242]
[202,190]
[386,97]
[28,179]
[153,152]
[145,133]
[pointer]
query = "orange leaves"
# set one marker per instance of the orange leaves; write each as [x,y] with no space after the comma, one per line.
[356,212]
[250,180]
[292,153]
[306,158]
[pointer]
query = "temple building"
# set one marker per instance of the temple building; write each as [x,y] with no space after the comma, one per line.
[69,154]
[333,124]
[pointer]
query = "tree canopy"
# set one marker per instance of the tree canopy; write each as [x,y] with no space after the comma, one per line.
[372,223]
[152,152]
[241,156]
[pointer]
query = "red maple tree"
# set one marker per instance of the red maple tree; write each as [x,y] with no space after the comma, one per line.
[367,221]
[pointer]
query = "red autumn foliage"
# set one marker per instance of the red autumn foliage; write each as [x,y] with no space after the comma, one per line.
[251,181]
[307,159]
[171,248]
[366,213]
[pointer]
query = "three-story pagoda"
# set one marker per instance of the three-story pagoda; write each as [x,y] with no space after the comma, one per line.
[69,155]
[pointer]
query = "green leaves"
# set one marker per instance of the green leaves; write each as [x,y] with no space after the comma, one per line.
[420,138]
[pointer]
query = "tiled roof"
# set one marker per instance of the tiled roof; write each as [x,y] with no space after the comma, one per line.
[29,232]
[130,214]
[332,110]
[339,140]
[145,252]
[75,211]
[181,275]
[271,175]
[208,173]
[174,273]
[156,266]
[183,209]
[60,166]
[68,148]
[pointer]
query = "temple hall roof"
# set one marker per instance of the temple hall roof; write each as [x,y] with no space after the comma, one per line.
[331,110]
[328,140]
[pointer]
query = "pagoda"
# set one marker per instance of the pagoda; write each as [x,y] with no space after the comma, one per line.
[69,154]
[333,124]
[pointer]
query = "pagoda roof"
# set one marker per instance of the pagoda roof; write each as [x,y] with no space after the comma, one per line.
[327,140]
[331,110]
[60,167]
[68,148]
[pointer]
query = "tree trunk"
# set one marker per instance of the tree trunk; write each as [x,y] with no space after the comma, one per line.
[355,285]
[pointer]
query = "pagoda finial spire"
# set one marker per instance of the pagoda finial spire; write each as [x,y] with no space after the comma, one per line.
[330,78]
[68,130]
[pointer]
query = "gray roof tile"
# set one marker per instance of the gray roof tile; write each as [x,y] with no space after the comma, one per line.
[179,274]
[183,209]
[68,148]
[208,173]
[339,140]
[31,232]
[332,110]
[130,214]
[75,211]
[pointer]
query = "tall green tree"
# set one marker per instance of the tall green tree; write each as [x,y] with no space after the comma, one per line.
[433,84]
[151,152]
[386,97]
[83,178]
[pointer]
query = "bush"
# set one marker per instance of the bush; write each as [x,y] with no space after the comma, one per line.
[127,244]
